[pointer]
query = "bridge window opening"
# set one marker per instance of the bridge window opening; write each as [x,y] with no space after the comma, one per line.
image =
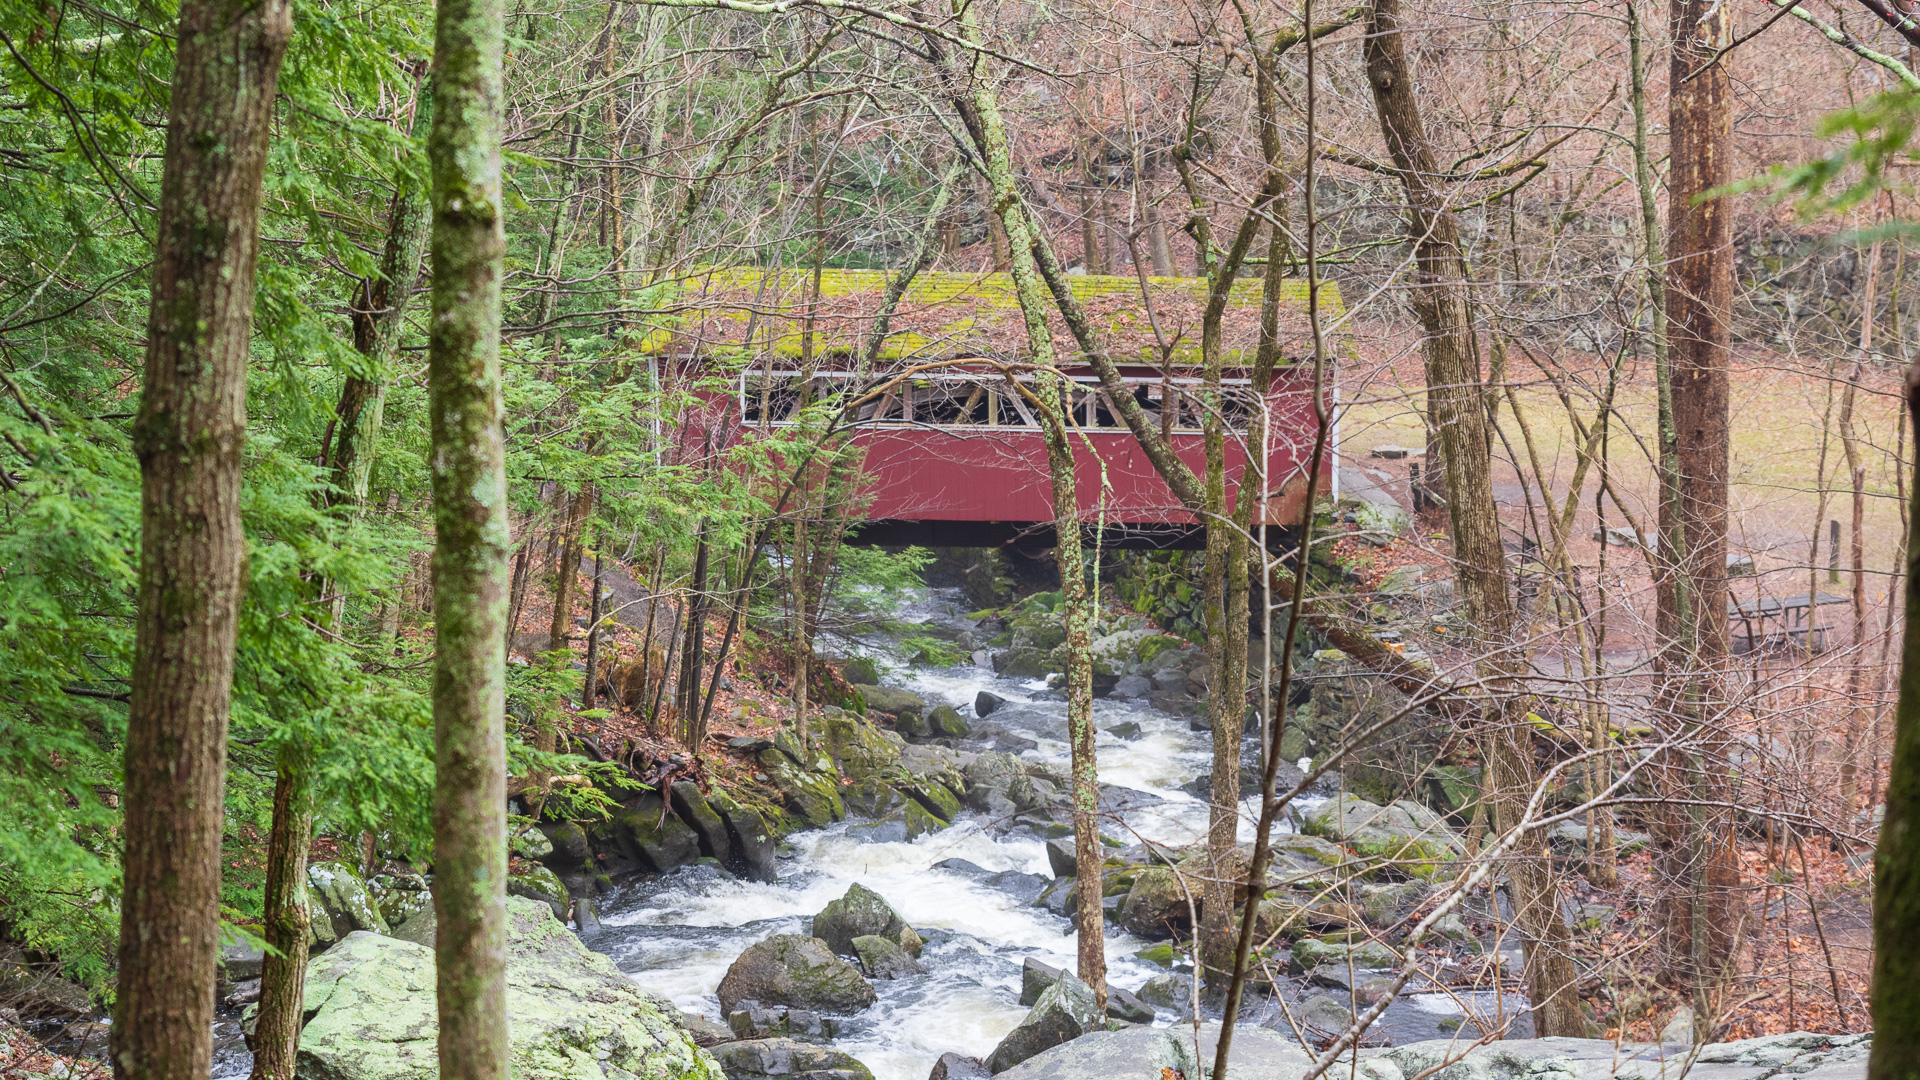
[969,400]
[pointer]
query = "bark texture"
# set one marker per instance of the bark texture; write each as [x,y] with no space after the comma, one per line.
[471,543]
[187,436]
[1896,863]
[1460,426]
[1699,916]
[283,974]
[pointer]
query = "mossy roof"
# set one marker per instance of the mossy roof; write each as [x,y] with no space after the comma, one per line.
[947,314]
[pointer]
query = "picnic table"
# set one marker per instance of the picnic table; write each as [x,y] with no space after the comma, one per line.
[1789,615]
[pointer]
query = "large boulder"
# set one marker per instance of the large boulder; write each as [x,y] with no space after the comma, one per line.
[1157,906]
[1800,1054]
[752,836]
[1064,1012]
[539,883]
[1412,839]
[859,749]
[707,825]
[892,700]
[859,913]
[1021,662]
[883,958]
[1149,1052]
[342,903]
[860,670]
[372,1012]
[945,720]
[789,1059]
[799,972]
[813,795]
[652,838]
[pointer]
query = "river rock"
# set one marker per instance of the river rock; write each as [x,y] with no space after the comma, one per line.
[859,749]
[36,991]
[751,835]
[892,701]
[651,838]
[883,958]
[945,720]
[858,913]
[799,972]
[1172,991]
[1145,1052]
[1801,1054]
[860,671]
[1064,1012]
[343,904]
[920,821]
[707,825]
[1021,662]
[952,1066]
[1131,687]
[372,1012]
[813,796]
[1310,953]
[1156,905]
[1062,856]
[1037,978]
[1415,841]
[790,1059]
[986,704]
[542,884]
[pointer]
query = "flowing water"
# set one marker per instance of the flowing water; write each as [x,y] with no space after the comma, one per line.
[678,933]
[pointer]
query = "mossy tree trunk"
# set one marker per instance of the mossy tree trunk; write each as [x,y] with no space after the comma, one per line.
[187,436]
[1460,425]
[974,96]
[471,543]
[1896,863]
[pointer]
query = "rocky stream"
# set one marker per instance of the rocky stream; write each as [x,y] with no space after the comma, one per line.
[919,927]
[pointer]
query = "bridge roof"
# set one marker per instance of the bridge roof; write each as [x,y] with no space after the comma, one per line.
[947,314]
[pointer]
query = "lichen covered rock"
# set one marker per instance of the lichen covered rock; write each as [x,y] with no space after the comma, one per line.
[341,903]
[1412,839]
[574,1016]
[857,914]
[799,972]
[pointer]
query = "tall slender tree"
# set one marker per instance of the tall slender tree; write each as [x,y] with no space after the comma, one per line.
[1700,914]
[471,544]
[188,434]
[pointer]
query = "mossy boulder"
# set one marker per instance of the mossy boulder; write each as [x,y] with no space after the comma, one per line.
[883,958]
[860,671]
[652,837]
[813,796]
[857,914]
[342,903]
[921,821]
[372,1012]
[938,798]
[892,700]
[858,749]
[1413,840]
[707,825]
[1156,904]
[1065,1011]
[1022,662]
[795,971]
[946,720]
[1310,953]
[542,884]
[787,1059]
[1038,630]
[399,897]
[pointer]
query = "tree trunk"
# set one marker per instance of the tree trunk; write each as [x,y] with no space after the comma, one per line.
[1896,863]
[471,542]
[1051,395]
[1459,422]
[283,974]
[188,436]
[1696,860]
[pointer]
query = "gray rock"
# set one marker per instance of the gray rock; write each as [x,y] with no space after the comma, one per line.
[1131,687]
[707,825]
[883,958]
[343,901]
[945,720]
[984,704]
[1023,887]
[1412,838]
[1124,1005]
[1800,1054]
[242,961]
[374,1017]
[1324,1013]
[1035,979]
[705,1032]
[1140,1053]
[860,671]
[857,914]
[530,844]
[584,919]
[892,701]
[765,1059]
[1128,730]
[1063,1012]
[1311,953]
[542,884]
[1021,662]
[1172,991]
[952,1066]
[1062,856]
[243,994]
[794,971]
[420,929]
[962,866]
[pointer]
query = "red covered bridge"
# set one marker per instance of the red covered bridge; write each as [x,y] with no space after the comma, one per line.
[953,455]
